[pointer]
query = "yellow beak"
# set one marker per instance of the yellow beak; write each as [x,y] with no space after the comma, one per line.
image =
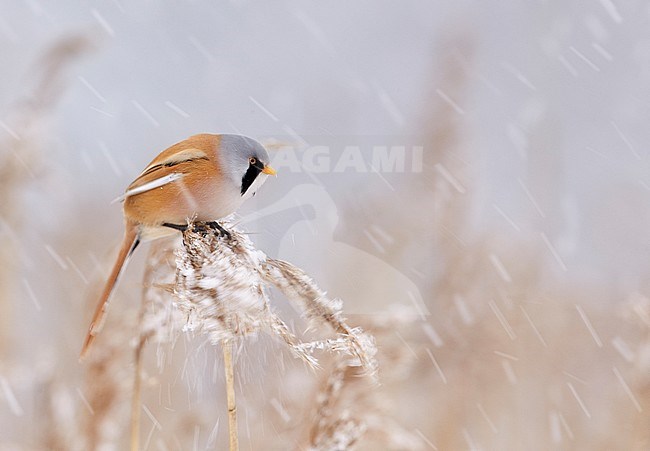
[269,170]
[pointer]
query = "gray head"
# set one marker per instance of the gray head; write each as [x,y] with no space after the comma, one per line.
[245,161]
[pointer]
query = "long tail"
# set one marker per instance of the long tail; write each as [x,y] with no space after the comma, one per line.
[130,242]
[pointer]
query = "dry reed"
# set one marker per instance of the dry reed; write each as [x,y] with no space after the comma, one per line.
[459,380]
[22,156]
[21,159]
[220,290]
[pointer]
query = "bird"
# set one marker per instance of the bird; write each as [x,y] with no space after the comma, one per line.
[203,178]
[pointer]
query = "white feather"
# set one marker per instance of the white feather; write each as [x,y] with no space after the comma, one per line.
[156,183]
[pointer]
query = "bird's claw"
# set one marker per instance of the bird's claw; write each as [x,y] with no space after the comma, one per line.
[202,228]
[214,225]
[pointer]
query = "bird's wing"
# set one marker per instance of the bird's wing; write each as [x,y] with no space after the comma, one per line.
[165,160]
[145,182]
[153,184]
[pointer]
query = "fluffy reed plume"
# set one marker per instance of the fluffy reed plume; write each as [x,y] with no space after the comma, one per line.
[352,411]
[334,429]
[221,288]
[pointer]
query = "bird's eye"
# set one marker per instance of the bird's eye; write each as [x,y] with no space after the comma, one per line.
[252,160]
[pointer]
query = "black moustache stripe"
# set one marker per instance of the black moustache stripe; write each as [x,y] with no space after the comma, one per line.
[250,176]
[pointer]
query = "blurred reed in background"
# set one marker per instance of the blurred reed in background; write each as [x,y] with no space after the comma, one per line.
[514,355]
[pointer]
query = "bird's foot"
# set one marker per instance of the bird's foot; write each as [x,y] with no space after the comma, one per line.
[214,225]
[201,227]
[179,227]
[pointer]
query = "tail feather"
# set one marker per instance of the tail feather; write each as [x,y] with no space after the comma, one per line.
[130,242]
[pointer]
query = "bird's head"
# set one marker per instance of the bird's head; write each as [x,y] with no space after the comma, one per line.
[245,161]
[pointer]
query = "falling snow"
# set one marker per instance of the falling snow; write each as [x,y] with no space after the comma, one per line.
[489,279]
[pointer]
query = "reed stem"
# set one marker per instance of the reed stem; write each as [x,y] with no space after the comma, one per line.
[135,401]
[230,390]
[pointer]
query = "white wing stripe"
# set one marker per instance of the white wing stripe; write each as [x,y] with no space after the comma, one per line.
[156,183]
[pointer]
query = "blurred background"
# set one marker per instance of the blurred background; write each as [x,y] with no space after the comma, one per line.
[503,270]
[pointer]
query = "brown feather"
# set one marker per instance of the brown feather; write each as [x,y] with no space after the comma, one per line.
[183,182]
[128,244]
[175,202]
